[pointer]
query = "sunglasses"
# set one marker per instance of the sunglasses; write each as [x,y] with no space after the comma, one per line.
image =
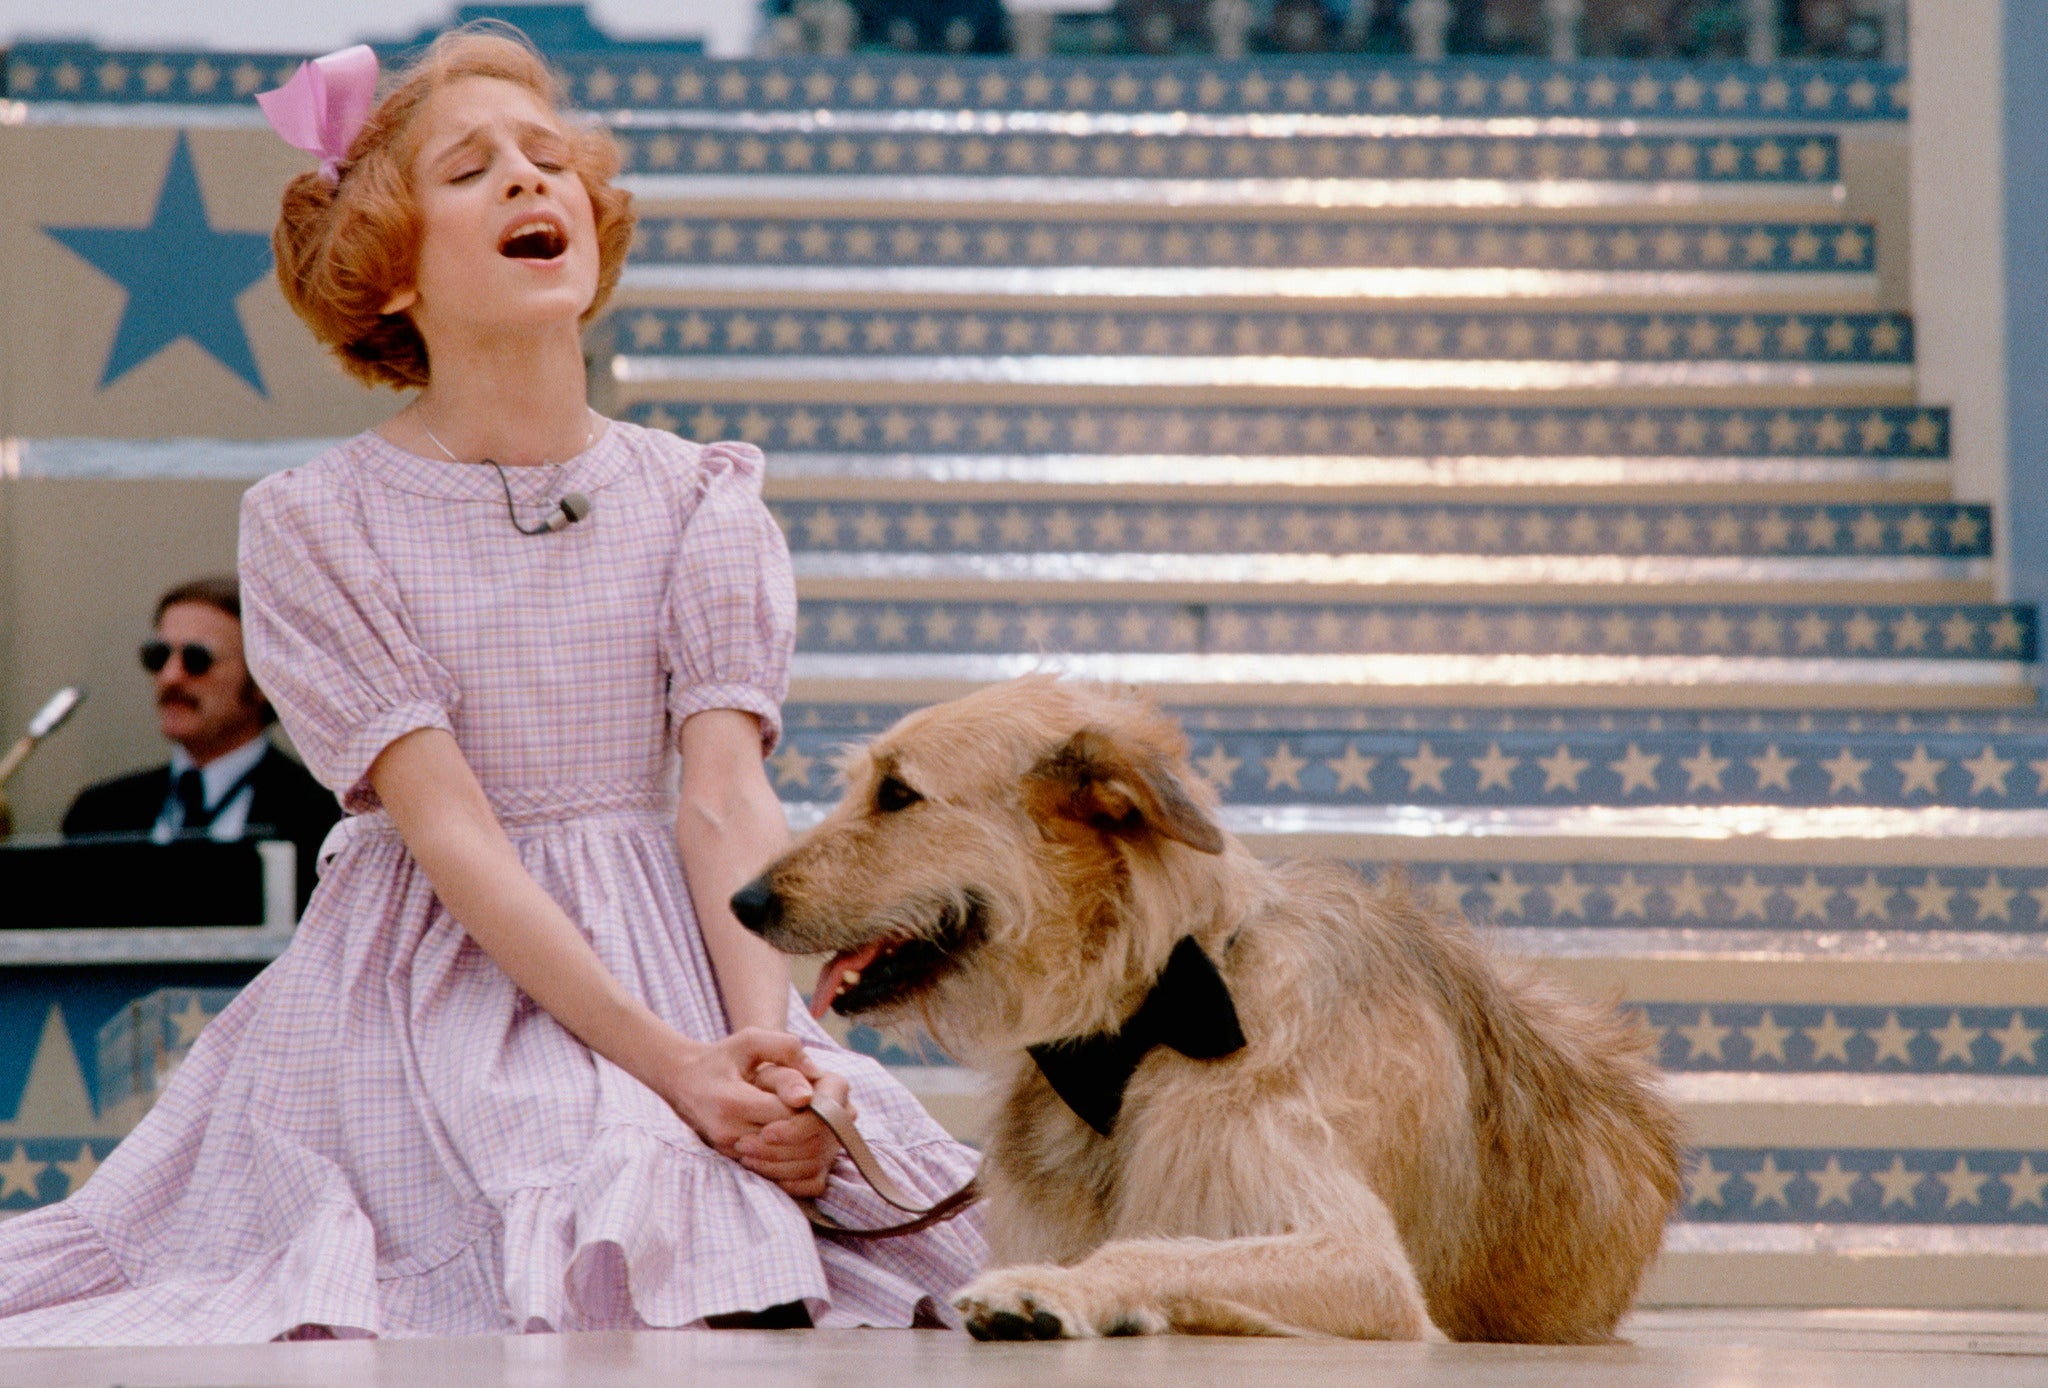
[196,658]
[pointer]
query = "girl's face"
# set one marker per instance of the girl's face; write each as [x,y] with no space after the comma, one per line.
[508,240]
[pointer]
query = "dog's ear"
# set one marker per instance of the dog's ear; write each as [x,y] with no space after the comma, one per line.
[1096,779]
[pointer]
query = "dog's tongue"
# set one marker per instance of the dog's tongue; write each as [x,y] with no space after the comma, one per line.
[837,968]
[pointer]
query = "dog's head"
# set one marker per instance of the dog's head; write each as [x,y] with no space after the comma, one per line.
[1009,868]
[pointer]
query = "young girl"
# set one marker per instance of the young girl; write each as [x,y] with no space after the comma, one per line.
[520,1068]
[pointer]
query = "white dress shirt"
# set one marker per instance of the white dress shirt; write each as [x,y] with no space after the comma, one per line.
[218,776]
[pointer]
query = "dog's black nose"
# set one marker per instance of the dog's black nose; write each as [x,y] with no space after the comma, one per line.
[758,907]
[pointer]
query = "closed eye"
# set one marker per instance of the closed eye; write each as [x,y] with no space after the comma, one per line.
[893,795]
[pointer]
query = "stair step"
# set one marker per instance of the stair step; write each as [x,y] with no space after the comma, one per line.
[1720,433]
[1506,681]
[1109,381]
[1301,338]
[1833,1134]
[1093,287]
[1836,1265]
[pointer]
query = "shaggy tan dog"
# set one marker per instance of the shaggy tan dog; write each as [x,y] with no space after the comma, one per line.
[1412,1134]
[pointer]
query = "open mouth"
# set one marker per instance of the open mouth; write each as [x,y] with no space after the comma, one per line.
[886,971]
[538,238]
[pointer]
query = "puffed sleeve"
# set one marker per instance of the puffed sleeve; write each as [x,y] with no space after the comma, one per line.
[730,618]
[327,638]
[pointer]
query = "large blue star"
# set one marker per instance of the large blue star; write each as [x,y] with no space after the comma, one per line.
[181,275]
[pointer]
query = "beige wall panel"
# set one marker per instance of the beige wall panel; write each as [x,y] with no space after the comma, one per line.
[61,314]
[83,564]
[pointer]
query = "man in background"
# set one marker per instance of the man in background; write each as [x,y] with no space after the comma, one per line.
[225,778]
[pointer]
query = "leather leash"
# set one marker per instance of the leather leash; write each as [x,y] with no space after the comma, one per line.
[840,1122]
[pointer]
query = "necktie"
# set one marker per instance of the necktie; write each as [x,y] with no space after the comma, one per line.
[192,798]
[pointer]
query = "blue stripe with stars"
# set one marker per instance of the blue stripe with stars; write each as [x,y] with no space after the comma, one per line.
[1395,431]
[1533,336]
[1931,631]
[1948,530]
[1722,159]
[640,75]
[1785,248]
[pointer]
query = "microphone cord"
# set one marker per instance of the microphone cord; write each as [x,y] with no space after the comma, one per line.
[512,510]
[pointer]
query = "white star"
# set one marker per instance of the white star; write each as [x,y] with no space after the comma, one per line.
[1769,1182]
[1899,1183]
[1892,1040]
[1832,1183]
[1994,899]
[19,1174]
[1631,898]
[1704,1183]
[1219,768]
[2026,1184]
[1353,771]
[1988,771]
[1703,770]
[1872,897]
[1283,768]
[1704,1037]
[1963,1183]
[2015,1041]
[792,768]
[1568,895]
[190,1022]
[1495,769]
[1767,1038]
[1830,1038]
[1774,769]
[1931,899]
[1561,770]
[1425,768]
[1449,892]
[1955,1040]
[1919,771]
[1506,893]
[1688,897]
[1845,772]
[1638,770]
[1810,898]
[1751,897]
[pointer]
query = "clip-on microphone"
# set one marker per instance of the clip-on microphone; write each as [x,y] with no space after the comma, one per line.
[573,507]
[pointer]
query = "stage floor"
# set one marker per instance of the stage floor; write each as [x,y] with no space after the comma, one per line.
[1671,1349]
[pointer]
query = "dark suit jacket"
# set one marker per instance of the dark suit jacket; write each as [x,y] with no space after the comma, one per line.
[288,804]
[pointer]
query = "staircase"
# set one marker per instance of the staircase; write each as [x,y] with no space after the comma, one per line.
[1501,473]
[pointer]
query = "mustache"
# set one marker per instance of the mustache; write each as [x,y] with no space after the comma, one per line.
[176,698]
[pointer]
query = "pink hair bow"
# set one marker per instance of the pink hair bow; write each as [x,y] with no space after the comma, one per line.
[324,106]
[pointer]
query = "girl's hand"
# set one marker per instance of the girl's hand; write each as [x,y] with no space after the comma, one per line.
[709,1085]
[796,1152]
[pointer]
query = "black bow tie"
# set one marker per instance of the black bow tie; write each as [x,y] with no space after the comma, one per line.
[1188,1008]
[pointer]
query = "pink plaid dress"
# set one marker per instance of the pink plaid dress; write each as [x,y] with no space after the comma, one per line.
[382,1136]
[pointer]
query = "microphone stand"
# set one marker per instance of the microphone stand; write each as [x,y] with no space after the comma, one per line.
[48,719]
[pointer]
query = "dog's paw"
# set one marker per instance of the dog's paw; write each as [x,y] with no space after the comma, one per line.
[1047,1303]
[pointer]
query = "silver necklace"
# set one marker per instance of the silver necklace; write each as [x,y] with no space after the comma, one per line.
[589,437]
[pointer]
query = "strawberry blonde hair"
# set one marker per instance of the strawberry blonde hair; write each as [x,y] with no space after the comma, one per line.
[344,248]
